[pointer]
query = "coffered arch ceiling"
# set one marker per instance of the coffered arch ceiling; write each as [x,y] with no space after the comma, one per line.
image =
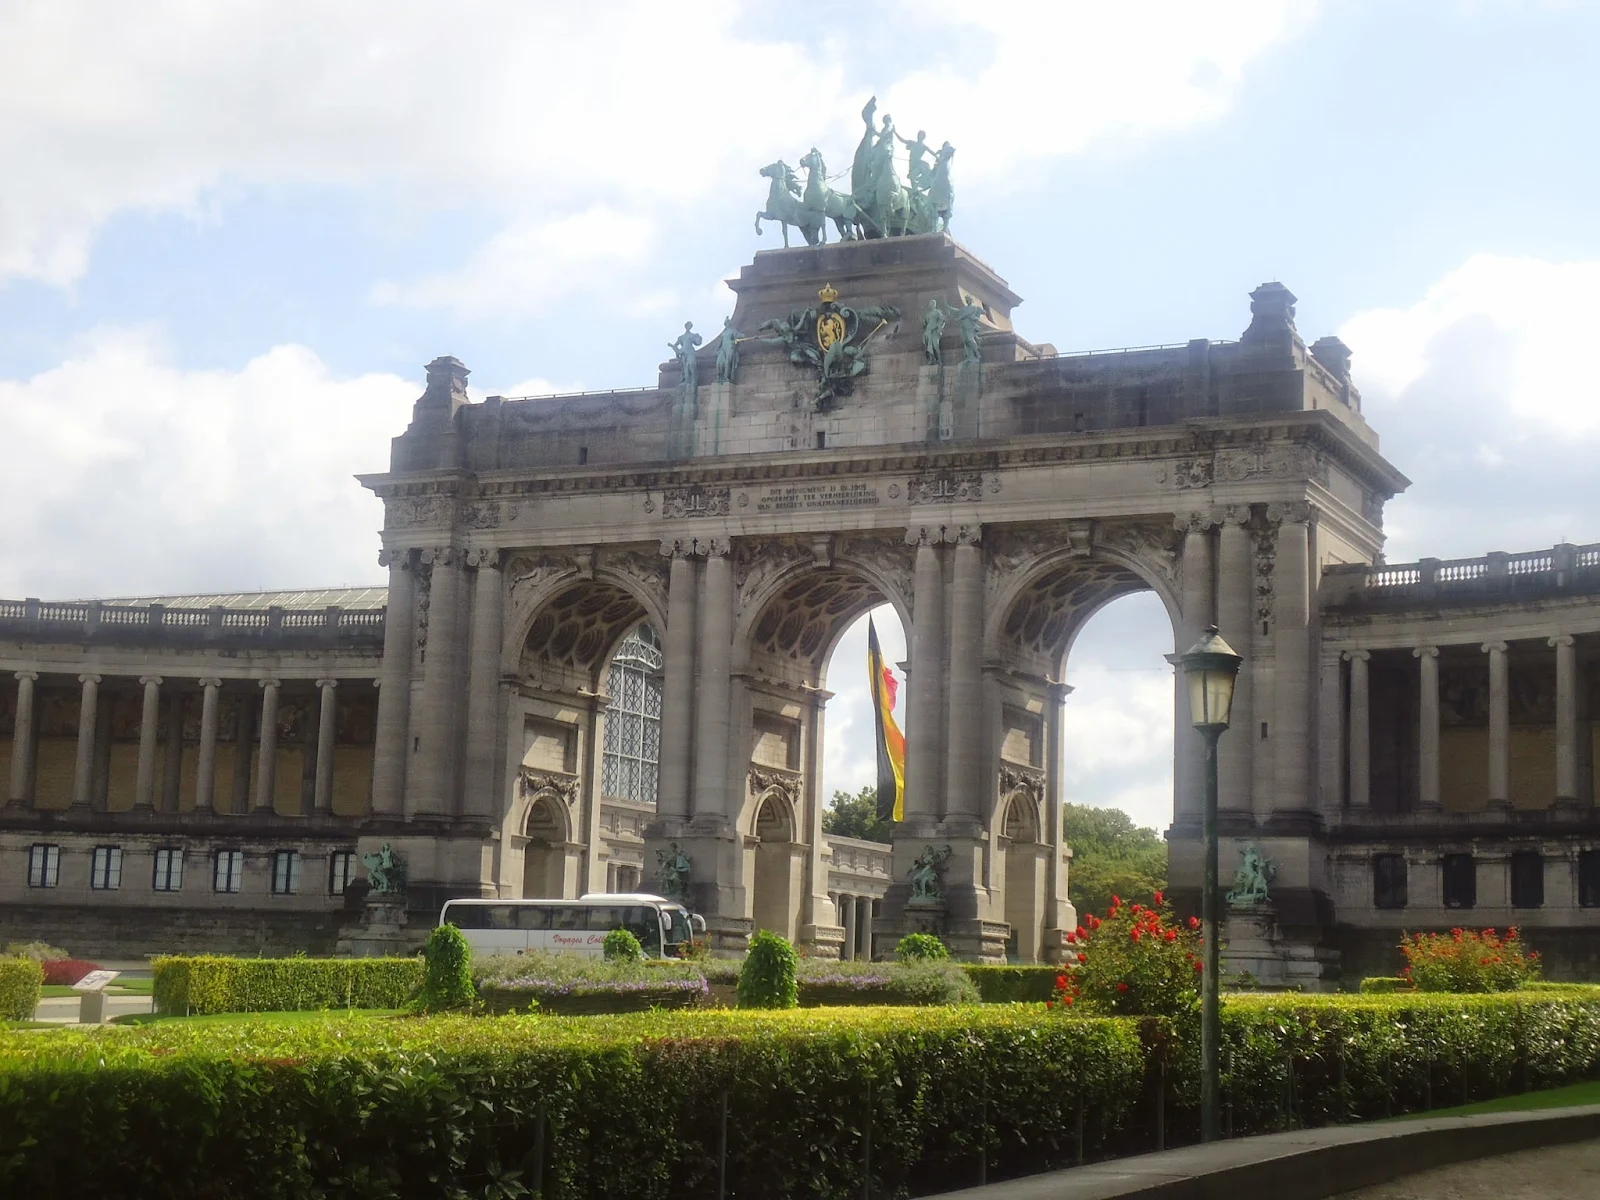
[578,628]
[802,623]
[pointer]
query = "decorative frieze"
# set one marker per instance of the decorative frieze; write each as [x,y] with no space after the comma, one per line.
[560,784]
[947,487]
[765,780]
[695,501]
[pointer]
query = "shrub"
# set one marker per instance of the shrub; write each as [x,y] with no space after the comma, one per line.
[920,946]
[1135,962]
[1021,983]
[1468,961]
[767,979]
[447,974]
[1382,985]
[572,985]
[66,971]
[214,984]
[20,981]
[623,1106]
[40,952]
[826,983]
[621,946]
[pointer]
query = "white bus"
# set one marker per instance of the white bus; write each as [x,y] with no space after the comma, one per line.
[663,927]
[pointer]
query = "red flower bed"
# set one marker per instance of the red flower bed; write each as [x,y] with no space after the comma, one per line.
[1468,960]
[67,971]
[1135,961]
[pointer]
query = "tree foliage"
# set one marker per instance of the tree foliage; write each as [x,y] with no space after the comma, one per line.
[1111,856]
[855,815]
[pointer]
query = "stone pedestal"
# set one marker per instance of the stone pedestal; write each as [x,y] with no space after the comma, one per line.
[822,941]
[1253,943]
[381,932]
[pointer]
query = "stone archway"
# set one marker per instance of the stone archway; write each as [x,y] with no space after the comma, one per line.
[544,852]
[1025,858]
[774,855]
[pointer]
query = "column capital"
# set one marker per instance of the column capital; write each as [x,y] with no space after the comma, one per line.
[149,680]
[25,676]
[441,556]
[399,557]
[209,681]
[924,535]
[486,558]
[88,679]
[1562,639]
[1290,512]
[1494,647]
[1425,652]
[1356,655]
[269,682]
[965,535]
[1237,515]
[1192,522]
[327,683]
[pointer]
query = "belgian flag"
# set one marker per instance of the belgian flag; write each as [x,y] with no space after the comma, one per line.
[891,742]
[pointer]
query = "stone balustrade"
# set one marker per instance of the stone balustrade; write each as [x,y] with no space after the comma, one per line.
[142,624]
[1564,568]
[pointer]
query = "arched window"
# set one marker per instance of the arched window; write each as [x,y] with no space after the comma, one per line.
[633,721]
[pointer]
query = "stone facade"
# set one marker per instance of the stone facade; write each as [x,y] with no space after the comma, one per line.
[995,501]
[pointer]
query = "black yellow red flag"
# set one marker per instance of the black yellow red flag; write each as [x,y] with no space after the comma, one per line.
[891,742]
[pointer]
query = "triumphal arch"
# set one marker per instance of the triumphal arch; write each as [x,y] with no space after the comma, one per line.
[868,428]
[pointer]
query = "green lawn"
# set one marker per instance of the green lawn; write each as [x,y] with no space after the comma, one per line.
[117,987]
[1562,1097]
[265,1018]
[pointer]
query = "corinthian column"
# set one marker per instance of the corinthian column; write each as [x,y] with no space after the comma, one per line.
[1428,727]
[22,738]
[205,789]
[389,751]
[83,768]
[1291,585]
[716,670]
[322,794]
[1499,723]
[483,689]
[964,794]
[1566,716]
[430,784]
[677,685]
[1360,730]
[267,747]
[922,704]
[144,792]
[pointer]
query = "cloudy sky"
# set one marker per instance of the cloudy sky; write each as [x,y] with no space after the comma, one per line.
[230,235]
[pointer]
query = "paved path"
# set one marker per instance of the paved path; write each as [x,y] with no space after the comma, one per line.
[63,1010]
[1569,1172]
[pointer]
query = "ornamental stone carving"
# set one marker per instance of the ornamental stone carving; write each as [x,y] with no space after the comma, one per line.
[695,501]
[648,570]
[1027,780]
[945,487]
[1191,473]
[781,783]
[1246,463]
[755,563]
[406,512]
[533,783]
[526,573]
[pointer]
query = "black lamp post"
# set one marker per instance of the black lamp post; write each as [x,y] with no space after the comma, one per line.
[1210,668]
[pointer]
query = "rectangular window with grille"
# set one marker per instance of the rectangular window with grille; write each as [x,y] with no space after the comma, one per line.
[44,865]
[1527,879]
[227,873]
[168,875]
[1389,880]
[105,869]
[341,871]
[1460,880]
[1589,878]
[632,741]
[285,872]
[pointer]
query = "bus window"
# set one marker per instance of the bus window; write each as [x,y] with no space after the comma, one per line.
[645,925]
[468,916]
[533,918]
[569,917]
[501,916]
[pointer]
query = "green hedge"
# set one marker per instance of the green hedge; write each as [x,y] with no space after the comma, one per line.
[1382,985]
[20,982]
[919,981]
[590,1000]
[209,984]
[451,1105]
[1013,984]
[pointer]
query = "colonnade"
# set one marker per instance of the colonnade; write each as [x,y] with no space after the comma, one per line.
[21,787]
[1358,742]
[858,915]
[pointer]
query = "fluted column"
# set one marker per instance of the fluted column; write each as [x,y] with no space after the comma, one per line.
[964,736]
[1427,728]
[677,686]
[22,738]
[1566,716]
[927,670]
[483,690]
[1360,730]
[327,711]
[1499,722]
[1235,603]
[1291,585]
[716,678]
[389,751]
[144,792]
[267,747]
[83,767]
[430,777]
[205,791]
[1188,749]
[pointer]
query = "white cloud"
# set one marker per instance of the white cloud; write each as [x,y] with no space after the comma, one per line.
[129,477]
[550,116]
[1482,390]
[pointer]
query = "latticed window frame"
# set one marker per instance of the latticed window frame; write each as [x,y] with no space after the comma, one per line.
[632,750]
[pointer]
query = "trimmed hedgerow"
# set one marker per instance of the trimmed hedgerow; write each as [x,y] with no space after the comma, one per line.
[1013,984]
[1383,985]
[825,983]
[20,982]
[573,985]
[629,1106]
[212,984]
